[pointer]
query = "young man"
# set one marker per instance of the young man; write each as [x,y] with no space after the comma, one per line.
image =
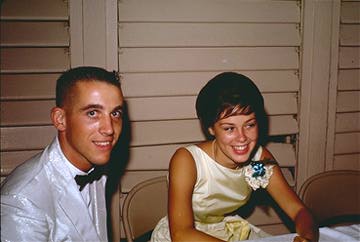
[40,200]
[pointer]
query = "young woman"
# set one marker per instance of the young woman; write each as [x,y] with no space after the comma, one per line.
[212,179]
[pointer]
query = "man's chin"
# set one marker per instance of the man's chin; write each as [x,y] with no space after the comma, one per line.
[101,162]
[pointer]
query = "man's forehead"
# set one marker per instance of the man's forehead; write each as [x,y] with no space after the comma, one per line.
[83,85]
[84,90]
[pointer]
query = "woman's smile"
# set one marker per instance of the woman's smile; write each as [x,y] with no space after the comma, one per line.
[236,137]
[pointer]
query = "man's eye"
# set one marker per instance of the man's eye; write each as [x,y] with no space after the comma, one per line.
[117,114]
[91,113]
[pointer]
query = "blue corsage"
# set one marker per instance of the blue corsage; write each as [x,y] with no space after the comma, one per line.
[257,174]
[258,168]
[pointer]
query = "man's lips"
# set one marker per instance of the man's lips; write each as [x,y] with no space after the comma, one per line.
[103,143]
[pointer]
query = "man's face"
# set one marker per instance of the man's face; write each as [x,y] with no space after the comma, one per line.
[92,123]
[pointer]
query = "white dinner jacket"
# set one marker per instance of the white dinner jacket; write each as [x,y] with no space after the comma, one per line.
[40,201]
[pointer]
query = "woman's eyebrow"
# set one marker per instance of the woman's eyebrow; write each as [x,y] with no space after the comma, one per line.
[246,121]
[252,119]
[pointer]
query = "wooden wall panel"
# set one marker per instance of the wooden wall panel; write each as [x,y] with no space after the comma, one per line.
[209,11]
[22,138]
[207,34]
[350,35]
[347,161]
[20,60]
[34,34]
[347,143]
[350,12]
[16,86]
[166,132]
[349,57]
[348,101]
[283,153]
[28,86]
[190,83]
[207,59]
[282,125]
[29,115]
[151,157]
[176,107]
[34,51]
[348,122]
[349,79]
[34,10]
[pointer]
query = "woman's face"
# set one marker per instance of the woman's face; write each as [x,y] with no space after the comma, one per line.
[236,137]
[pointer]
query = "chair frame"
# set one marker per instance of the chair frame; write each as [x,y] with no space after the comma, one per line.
[126,218]
[339,215]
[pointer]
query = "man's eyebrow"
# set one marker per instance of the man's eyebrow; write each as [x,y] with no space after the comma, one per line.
[98,106]
[120,107]
[90,106]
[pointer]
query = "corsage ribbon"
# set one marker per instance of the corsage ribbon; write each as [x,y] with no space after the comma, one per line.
[238,230]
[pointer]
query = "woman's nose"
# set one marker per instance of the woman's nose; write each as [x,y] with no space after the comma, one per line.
[241,135]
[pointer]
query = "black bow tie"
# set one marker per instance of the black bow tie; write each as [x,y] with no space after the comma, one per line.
[83,180]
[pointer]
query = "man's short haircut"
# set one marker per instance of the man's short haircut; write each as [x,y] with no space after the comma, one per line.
[84,73]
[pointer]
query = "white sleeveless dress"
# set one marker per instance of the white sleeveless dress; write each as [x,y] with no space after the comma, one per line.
[218,191]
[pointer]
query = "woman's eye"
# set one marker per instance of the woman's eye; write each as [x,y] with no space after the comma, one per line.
[228,128]
[250,125]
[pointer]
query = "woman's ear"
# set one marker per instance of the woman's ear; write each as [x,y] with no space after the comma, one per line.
[58,118]
[211,131]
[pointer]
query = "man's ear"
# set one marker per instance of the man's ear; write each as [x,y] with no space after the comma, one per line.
[211,131]
[58,118]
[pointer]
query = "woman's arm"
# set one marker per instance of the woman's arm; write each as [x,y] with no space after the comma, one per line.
[287,199]
[182,178]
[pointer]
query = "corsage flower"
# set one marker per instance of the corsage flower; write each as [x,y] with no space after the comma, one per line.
[257,174]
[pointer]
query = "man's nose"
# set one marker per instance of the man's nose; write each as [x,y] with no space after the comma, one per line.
[106,126]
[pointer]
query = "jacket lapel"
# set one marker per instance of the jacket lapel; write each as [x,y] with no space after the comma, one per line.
[99,207]
[69,196]
[75,209]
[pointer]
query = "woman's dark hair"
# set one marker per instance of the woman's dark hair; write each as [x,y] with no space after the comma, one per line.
[229,94]
[84,73]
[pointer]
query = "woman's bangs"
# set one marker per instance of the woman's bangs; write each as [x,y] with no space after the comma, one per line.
[235,110]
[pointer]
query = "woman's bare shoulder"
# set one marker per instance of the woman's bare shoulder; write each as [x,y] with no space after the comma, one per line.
[267,157]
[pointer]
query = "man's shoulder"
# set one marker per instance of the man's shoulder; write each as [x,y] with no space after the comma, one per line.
[30,172]
[23,175]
